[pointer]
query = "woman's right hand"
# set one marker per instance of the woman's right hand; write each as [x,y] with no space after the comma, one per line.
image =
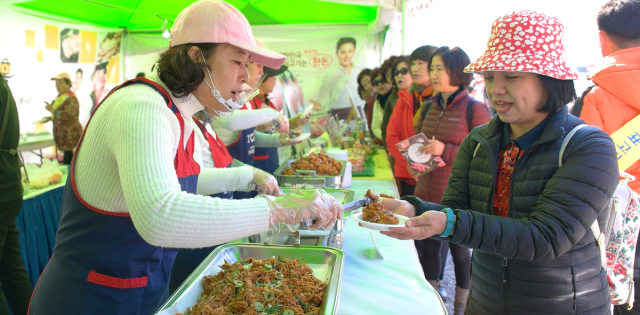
[312,206]
[267,183]
[284,124]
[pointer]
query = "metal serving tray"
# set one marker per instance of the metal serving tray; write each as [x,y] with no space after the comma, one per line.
[327,265]
[307,237]
[300,180]
[342,195]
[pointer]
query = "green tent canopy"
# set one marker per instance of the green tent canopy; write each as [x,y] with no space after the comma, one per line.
[140,15]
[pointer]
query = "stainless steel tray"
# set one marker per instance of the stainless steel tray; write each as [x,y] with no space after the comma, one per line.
[327,265]
[300,180]
[342,195]
[308,237]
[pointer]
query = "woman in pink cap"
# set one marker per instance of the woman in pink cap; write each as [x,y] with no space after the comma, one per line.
[130,201]
[527,218]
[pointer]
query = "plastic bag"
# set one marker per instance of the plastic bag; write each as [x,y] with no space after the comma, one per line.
[42,176]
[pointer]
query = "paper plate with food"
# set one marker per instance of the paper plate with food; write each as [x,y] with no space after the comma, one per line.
[374,217]
[300,136]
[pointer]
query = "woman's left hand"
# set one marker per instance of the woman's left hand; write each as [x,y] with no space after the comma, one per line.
[299,120]
[286,140]
[434,147]
[266,182]
[418,228]
[284,124]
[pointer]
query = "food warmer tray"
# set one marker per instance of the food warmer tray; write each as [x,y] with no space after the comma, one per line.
[307,237]
[300,180]
[327,264]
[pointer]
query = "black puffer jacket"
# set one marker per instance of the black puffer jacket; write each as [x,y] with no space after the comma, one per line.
[543,258]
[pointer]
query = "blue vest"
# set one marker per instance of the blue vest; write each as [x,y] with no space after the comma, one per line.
[265,159]
[100,264]
[188,260]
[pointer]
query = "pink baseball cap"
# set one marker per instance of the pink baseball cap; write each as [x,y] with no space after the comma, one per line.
[215,21]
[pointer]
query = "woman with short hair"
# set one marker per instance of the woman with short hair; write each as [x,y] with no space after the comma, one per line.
[526,218]
[447,119]
[64,114]
[383,92]
[130,199]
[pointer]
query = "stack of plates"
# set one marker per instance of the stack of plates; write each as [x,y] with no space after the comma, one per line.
[340,155]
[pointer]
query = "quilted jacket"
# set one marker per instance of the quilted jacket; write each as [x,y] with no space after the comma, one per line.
[448,125]
[542,259]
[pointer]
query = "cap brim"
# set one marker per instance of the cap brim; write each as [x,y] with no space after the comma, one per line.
[270,72]
[262,55]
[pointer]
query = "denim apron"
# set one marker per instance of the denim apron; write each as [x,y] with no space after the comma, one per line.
[188,260]
[100,264]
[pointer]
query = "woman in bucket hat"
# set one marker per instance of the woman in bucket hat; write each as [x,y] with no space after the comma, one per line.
[130,200]
[527,219]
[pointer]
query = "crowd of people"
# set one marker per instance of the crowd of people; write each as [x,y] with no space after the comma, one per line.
[500,192]
[179,149]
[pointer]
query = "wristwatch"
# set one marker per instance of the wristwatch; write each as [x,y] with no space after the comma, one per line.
[451,221]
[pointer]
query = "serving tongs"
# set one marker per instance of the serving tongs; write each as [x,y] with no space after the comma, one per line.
[348,207]
[276,124]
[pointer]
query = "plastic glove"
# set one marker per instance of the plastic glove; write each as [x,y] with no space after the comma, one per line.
[266,182]
[284,124]
[285,140]
[299,120]
[312,206]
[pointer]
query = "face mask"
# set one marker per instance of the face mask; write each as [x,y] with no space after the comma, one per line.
[229,104]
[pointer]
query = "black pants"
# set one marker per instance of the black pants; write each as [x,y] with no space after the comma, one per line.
[68,155]
[432,261]
[15,281]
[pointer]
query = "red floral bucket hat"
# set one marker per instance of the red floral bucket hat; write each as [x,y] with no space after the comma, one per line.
[525,41]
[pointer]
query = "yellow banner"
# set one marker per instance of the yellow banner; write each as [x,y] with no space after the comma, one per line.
[627,141]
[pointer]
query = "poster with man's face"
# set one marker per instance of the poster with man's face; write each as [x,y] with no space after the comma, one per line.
[346,50]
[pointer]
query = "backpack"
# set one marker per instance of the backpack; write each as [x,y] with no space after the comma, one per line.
[617,243]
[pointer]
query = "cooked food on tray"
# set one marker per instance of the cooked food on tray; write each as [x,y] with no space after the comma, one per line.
[319,162]
[267,286]
[374,213]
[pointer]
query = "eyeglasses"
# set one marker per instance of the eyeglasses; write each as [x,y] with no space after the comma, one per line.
[376,82]
[402,71]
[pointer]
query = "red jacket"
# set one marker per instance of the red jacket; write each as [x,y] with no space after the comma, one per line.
[400,127]
[615,100]
[450,127]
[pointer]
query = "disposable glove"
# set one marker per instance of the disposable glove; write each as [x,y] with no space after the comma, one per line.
[315,207]
[285,140]
[284,124]
[265,182]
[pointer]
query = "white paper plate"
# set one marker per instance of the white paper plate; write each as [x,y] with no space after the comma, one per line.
[301,137]
[417,156]
[357,215]
[307,110]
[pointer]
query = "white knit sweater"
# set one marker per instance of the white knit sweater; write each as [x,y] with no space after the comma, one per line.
[125,164]
[217,180]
